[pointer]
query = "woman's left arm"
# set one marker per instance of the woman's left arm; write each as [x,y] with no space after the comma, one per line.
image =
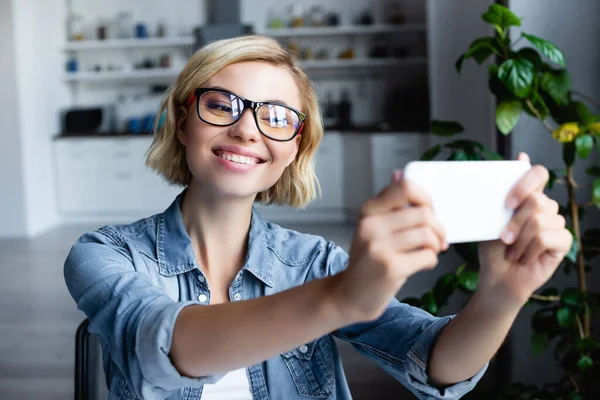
[512,269]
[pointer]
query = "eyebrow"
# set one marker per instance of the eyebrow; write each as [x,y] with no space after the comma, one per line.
[265,101]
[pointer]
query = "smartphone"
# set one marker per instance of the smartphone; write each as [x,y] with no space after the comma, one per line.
[469,197]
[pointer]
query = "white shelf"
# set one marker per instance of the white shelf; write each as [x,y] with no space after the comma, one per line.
[345,30]
[142,74]
[111,44]
[363,63]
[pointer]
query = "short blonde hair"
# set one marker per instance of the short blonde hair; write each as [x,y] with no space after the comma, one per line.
[298,184]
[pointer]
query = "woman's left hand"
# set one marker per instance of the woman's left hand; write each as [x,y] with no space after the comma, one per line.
[532,246]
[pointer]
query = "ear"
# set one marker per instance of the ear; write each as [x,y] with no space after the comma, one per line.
[182,126]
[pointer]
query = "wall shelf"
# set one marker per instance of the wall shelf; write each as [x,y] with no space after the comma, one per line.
[143,74]
[363,63]
[116,44]
[345,30]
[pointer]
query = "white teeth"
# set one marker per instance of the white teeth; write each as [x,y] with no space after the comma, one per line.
[238,159]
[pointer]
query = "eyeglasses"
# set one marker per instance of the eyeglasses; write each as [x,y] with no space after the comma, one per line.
[220,107]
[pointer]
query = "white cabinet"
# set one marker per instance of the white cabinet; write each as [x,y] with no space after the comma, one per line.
[107,176]
[394,151]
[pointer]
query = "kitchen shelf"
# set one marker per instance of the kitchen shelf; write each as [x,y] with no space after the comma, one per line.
[142,74]
[345,30]
[363,62]
[115,44]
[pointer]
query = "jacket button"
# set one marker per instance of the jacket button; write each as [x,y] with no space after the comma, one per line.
[202,298]
[303,349]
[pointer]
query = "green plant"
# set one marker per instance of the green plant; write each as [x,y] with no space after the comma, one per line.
[534,80]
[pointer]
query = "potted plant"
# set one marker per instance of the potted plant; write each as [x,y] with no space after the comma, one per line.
[534,80]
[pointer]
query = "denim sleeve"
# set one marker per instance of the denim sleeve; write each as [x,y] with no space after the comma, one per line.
[400,341]
[131,316]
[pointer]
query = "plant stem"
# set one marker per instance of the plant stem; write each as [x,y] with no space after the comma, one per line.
[539,116]
[545,298]
[581,332]
[587,98]
[580,259]
[592,248]
[573,382]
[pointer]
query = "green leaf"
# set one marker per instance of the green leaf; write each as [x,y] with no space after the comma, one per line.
[445,128]
[469,146]
[431,153]
[517,76]
[585,363]
[572,297]
[593,171]
[429,303]
[572,254]
[584,114]
[459,155]
[491,155]
[468,280]
[443,289]
[480,50]
[596,192]
[569,153]
[588,344]
[558,85]
[539,343]
[584,145]
[500,16]
[551,179]
[539,104]
[530,54]
[507,115]
[576,396]
[546,48]
[413,301]
[565,317]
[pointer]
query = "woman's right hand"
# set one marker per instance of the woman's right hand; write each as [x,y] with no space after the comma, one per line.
[397,236]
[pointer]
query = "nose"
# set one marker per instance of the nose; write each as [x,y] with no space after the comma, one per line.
[245,129]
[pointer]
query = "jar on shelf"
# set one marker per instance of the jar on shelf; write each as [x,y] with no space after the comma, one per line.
[75,27]
[316,16]
[124,25]
[297,16]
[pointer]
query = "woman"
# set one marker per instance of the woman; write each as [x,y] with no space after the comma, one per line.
[207,300]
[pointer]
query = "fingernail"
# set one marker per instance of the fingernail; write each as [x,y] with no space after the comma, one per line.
[508,237]
[397,175]
[511,203]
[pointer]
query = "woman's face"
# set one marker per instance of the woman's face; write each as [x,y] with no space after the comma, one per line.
[208,146]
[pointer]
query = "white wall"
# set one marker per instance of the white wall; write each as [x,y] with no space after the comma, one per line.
[12,205]
[465,98]
[582,53]
[38,30]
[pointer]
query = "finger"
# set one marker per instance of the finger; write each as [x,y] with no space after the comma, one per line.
[416,261]
[416,239]
[536,203]
[396,195]
[534,180]
[552,241]
[523,157]
[535,227]
[381,225]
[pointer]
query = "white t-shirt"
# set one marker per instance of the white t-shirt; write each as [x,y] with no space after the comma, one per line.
[233,386]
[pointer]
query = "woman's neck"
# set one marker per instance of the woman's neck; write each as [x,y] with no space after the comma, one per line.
[218,229]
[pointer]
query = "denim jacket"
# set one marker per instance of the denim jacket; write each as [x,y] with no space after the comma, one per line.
[133,280]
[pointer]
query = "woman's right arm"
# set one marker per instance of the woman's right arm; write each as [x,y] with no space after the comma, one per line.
[392,242]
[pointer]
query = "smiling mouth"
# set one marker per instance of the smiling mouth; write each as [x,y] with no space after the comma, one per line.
[237,158]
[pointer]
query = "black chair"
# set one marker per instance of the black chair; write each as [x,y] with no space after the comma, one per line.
[90,382]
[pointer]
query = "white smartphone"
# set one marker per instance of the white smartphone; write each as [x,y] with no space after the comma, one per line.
[469,197]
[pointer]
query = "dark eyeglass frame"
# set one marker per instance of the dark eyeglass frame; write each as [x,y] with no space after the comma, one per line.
[248,104]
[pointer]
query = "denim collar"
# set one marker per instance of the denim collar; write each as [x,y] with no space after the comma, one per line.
[176,254]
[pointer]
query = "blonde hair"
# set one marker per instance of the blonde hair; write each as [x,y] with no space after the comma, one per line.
[298,184]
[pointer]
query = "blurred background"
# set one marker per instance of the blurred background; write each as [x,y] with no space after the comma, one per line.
[81,81]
